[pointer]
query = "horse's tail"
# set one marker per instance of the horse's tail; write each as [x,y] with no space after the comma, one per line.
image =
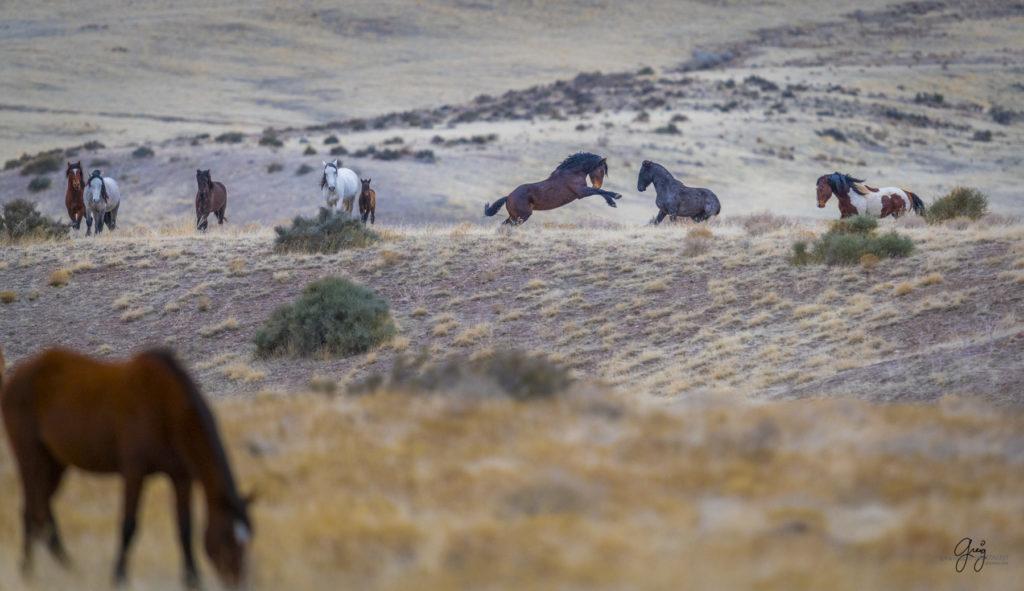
[492,208]
[918,205]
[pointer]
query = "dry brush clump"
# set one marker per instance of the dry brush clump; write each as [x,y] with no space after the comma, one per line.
[961,202]
[21,222]
[328,232]
[333,317]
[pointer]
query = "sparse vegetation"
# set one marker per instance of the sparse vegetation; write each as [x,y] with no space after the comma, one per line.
[41,165]
[960,202]
[328,232]
[40,183]
[143,152]
[303,169]
[332,317]
[231,137]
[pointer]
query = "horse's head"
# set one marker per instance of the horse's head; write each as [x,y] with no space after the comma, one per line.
[74,174]
[598,173]
[824,190]
[643,180]
[227,538]
[366,184]
[97,189]
[329,180]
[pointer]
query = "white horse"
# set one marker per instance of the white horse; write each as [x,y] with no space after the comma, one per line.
[102,199]
[340,183]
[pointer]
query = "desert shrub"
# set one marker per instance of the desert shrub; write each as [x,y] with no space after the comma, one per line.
[960,202]
[510,373]
[95,145]
[231,137]
[426,156]
[142,152]
[763,222]
[331,139]
[645,71]
[99,163]
[670,129]
[304,169]
[40,183]
[309,151]
[44,165]
[333,316]
[269,138]
[274,167]
[8,297]
[848,240]
[339,151]
[328,232]
[21,220]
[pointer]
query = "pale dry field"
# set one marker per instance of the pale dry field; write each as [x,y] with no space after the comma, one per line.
[737,421]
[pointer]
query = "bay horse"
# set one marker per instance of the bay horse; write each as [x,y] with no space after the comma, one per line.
[74,198]
[136,418]
[865,200]
[566,183]
[367,201]
[103,199]
[337,182]
[211,197]
[673,198]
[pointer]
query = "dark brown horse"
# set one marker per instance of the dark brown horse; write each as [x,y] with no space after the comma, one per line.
[367,201]
[73,198]
[567,183]
[136,418]
[212,197]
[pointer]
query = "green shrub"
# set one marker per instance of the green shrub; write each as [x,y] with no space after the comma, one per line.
[328,232]
[331,139]
[40,183]
[231,137]
[20,220]
[333,316]
[848,240]
[274,167]
[269,138]
[143,152]
[512,373]
[960,202]
[304,169]
[309,151]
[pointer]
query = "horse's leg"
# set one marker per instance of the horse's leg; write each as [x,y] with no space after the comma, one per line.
[220,215]
[183,504]
[132,493]
[609,197]
[661,216]
[112,217]
[54,473]
[373,214]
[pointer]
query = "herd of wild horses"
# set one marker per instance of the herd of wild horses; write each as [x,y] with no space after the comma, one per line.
[99,198]
[103,424]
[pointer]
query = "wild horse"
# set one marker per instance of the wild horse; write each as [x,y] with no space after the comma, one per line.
[211,197]
[135,418]
[866,200]
[74,198]
[566,183]
[674,199]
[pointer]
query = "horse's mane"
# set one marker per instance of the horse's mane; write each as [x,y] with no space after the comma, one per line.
[842,183]
[579,162]
[209,427]
[96,174]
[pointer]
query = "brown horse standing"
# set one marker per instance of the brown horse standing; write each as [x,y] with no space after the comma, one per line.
[367,201]
[567,183]
[73,198]
[212,197]
[137,418]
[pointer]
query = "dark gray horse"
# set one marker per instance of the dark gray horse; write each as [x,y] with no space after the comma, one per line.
[674,198]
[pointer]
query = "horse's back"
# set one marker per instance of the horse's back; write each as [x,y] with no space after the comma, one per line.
[113,191]
[350,180]
[90,413]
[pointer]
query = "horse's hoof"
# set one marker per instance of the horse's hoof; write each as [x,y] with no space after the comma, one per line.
[618,196]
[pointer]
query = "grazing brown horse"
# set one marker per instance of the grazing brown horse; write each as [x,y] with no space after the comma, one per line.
[212,197]
[567,183]
[136,418]
[367,201]
[74,198]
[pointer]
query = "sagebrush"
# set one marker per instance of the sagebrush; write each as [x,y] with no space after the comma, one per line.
[848,240]
[333,316]
[21,221]
[960,202]
[327,232]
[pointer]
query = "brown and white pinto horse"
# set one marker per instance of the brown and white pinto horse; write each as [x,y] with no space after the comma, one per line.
[567,183]
[74,198]
[135,418]
[865,200]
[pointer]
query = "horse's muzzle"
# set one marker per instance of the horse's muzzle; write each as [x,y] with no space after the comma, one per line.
[821,204]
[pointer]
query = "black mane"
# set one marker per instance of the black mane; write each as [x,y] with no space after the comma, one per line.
[842,183]
[579,162]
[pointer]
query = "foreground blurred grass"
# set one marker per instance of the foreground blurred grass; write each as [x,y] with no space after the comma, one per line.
[591,490]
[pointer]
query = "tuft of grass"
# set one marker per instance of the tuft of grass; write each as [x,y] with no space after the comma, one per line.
[333,316]
[960,202]
[304,169]
[60,278]
[328,232]
[903,289]
[8,297]
[209,331]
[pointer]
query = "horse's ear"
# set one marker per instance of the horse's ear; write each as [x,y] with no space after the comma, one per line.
[324,161]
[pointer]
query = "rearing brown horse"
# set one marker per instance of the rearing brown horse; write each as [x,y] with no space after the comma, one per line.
[136,418]
[567,183]
[74,198]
